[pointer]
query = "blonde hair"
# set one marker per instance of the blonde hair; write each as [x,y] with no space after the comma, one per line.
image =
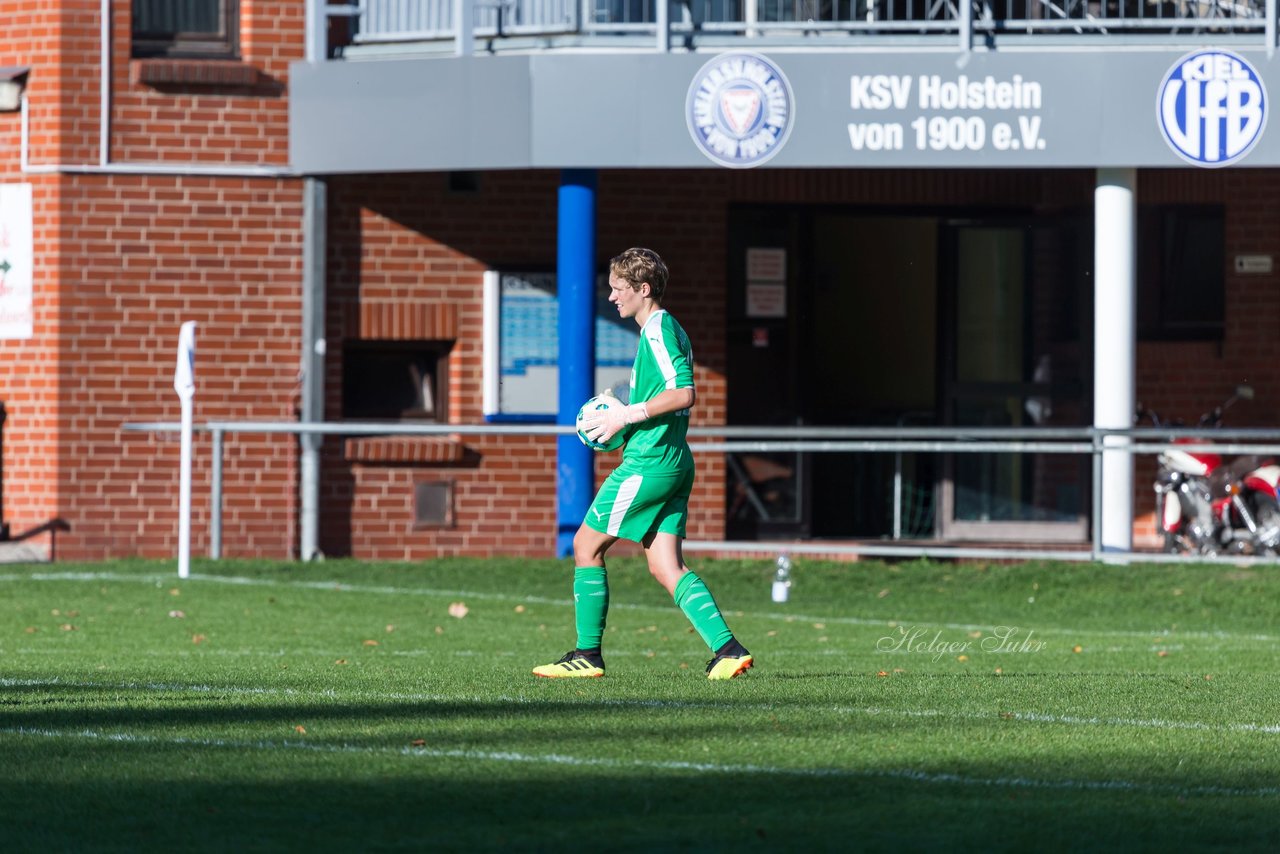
[637,265]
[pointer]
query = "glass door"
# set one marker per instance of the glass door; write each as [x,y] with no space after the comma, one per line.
[1002,351]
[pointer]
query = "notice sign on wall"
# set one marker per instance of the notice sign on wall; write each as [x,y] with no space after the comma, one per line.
[766,265]
[766,282]
[16,253]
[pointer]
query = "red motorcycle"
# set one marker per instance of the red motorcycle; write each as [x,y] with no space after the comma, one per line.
[1207,506]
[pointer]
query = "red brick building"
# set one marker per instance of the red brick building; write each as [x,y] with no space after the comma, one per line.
[163,191]
[163,207]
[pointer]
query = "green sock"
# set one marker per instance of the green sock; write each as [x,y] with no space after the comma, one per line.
[699,606]
[590,604]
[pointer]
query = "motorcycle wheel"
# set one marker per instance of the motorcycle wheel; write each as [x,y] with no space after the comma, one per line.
[1266,513]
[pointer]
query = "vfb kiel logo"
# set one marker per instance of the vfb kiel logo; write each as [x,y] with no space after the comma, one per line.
[1212,108]
[740,109]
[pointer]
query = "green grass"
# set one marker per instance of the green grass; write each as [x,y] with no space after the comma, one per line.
[339,706]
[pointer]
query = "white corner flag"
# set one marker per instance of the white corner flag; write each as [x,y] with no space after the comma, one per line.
[184,383]
[184,377]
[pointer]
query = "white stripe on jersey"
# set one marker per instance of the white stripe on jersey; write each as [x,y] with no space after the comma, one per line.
[659,350]
[627,491]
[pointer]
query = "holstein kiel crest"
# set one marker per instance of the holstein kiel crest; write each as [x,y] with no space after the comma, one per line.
[740,109]
[1212,107]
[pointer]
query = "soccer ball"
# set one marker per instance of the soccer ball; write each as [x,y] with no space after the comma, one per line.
[595,404]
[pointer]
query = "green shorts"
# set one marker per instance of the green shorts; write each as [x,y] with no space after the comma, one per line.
[633,503]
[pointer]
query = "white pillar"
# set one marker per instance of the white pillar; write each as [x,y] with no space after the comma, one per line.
[314,242]
[1114,346]
[317,26]
[463,28]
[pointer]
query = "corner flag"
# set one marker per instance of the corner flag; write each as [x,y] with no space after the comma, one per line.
[184,383]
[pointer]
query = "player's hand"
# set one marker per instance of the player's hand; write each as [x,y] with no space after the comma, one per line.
[607,424]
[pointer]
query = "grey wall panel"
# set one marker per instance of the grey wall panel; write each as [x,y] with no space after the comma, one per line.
[613,111]
[851,110]
[410,115]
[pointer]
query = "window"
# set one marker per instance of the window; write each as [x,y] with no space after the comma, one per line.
[432,504]
[464,182]
[205,29]
[1181,272]
[522,375]
[395,380]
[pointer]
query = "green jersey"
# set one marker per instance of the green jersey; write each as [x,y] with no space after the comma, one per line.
[664,360]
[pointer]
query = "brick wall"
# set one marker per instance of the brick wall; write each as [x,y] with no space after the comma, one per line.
[123,258]
[143,255]
[211,112]
[1184,379]
[405,244]
[32,35]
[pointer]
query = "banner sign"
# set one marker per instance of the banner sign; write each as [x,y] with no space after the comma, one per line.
[1156,107]
[17,313]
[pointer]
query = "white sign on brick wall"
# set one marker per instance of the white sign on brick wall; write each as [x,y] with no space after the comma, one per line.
[16,253]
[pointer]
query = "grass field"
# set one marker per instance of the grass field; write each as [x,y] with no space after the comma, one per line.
[341,706]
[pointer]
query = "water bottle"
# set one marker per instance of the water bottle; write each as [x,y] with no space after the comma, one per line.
[782,579]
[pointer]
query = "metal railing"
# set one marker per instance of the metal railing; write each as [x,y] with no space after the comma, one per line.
[387,21]
[1092,441]
[383,22]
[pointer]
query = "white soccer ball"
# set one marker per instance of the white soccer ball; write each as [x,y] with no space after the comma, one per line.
[597,404]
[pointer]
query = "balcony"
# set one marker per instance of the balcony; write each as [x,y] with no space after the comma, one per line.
[876,82]
[377,28]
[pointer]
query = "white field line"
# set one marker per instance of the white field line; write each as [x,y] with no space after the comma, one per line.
[909,775]
[808,654]
[773,708]
[381,590]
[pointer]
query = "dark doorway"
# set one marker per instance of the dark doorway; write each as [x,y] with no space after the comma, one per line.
[845,317]
[869,307]
[766,492]
[848,336]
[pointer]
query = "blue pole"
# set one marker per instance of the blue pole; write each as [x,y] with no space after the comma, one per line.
[575,279]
